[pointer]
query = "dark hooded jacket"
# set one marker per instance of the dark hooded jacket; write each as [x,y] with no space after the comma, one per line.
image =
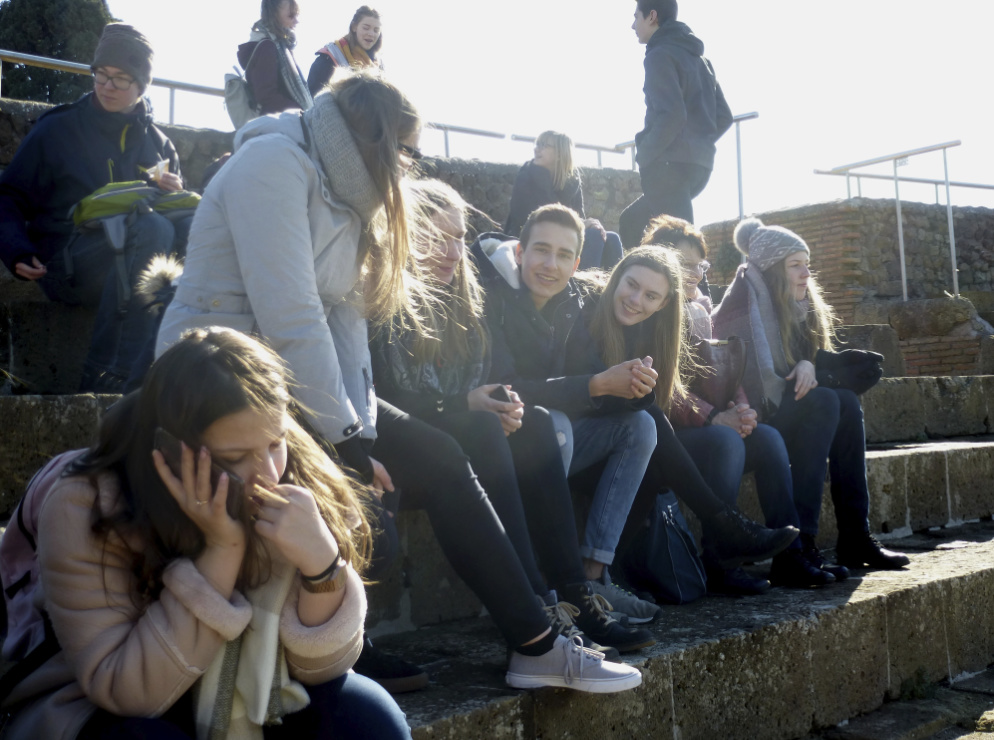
[685,110]
[548,357]
[533,188]
[71,151]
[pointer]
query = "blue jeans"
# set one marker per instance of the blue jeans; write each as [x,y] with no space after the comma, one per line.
[824,432]
[723,456]
[350,706]
[599,252]
[119,336]
[626,441]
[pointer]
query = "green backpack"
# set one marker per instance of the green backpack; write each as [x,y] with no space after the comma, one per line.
[135,196]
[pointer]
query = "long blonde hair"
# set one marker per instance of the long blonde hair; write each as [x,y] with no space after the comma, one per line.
[818,328]
[663,334]
[456,311]
[563,146]
[380,117]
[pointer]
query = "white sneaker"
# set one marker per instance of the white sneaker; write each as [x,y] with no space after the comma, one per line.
[638,610]
[569,665]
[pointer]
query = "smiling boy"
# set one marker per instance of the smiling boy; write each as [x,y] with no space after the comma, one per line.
[541,348]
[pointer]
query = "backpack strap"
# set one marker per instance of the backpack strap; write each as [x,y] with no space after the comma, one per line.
[24,668]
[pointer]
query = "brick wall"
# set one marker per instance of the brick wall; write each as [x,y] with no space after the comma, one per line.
[941,356]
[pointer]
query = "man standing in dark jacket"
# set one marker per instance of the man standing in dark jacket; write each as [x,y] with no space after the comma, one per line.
[106,136]
[685,114]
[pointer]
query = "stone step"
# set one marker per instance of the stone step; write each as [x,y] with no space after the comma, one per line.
[913,487]
[781,665]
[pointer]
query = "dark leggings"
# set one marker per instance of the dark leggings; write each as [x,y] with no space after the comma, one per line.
[525,480]
[348,707]
[670,466]
[434,474]
[824,432]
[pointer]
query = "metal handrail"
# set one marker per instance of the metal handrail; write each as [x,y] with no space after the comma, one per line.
[599,148]
[897,160]
[84,69]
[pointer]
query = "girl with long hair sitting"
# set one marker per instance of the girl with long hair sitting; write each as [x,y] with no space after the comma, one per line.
[440,377]
[274,78]
[640,313]
[358,49]
[185,608]
[552,177]
[303,236]
[775,303]
[727,442]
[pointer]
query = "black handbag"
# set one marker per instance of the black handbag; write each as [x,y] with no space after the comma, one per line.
[663,558]
[856,370]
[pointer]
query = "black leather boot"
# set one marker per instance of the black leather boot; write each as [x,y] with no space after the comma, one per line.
[730,539]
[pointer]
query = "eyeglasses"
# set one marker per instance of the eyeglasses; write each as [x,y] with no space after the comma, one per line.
[700,268]
[412,152]
[119,83]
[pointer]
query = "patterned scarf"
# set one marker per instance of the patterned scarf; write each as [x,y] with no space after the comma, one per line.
[358,58]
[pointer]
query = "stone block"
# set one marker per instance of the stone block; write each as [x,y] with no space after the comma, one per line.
[928,501]
[645,712]
[849,661]
[887,480]
[874,312]
[35,429]
[876,338]
[916,636]
[48,344]
[437,594]
[969,616]
[752,684]
[954,407]
[894,411]
[507,719]
[930,317]
[971,482]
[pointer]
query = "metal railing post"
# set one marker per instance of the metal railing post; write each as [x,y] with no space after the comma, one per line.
[900,233]
[172,106]
[949,217]
[738,166]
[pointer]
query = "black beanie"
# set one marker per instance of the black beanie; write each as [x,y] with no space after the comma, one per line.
[124,47]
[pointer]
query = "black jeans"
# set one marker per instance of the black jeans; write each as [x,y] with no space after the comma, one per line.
[433,473]
[670,466]
[667,188]
[824,431]
[525,480]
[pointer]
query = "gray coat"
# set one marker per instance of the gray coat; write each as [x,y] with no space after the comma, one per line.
[273,251]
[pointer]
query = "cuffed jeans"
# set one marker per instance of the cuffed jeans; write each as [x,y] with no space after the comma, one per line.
[824,432]
[723,456]
[626,440]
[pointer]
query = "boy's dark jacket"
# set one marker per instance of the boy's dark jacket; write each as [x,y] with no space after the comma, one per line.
[547,357]
[71,151]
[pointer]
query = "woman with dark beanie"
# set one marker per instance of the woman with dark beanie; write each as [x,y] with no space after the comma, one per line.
[775,303]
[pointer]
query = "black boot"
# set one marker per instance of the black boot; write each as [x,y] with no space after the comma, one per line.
[392,673]
[858,549]
[814,556]
[731,539]
[734,582]
[793,570]
[591,616]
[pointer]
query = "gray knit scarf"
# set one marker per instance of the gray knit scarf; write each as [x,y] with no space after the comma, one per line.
[290,73]
[343,165]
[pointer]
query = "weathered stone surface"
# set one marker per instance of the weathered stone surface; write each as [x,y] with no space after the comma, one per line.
[894,410]
[968,610]
[933,317]
[876,338]
[915,632]
[48,344]
[928,503]
[887,479]
[909,720]
[955,407]
[36,428]
[971,482]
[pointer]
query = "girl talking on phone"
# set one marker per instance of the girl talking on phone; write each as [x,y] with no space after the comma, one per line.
[172,618]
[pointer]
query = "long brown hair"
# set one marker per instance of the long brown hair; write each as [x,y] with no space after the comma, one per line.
[207,375]
[563,146]
[379,117]
[818,329]
[457,309]
[269,20]
[364,11]
[662,336]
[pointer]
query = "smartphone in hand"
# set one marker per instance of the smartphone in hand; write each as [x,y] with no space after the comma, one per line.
[500,394]
[172,452]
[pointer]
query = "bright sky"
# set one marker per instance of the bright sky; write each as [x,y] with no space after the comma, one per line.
[833,83]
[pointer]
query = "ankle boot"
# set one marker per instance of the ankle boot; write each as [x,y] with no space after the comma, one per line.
[856,549]
[814,556]
[731,539]
[793,570]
